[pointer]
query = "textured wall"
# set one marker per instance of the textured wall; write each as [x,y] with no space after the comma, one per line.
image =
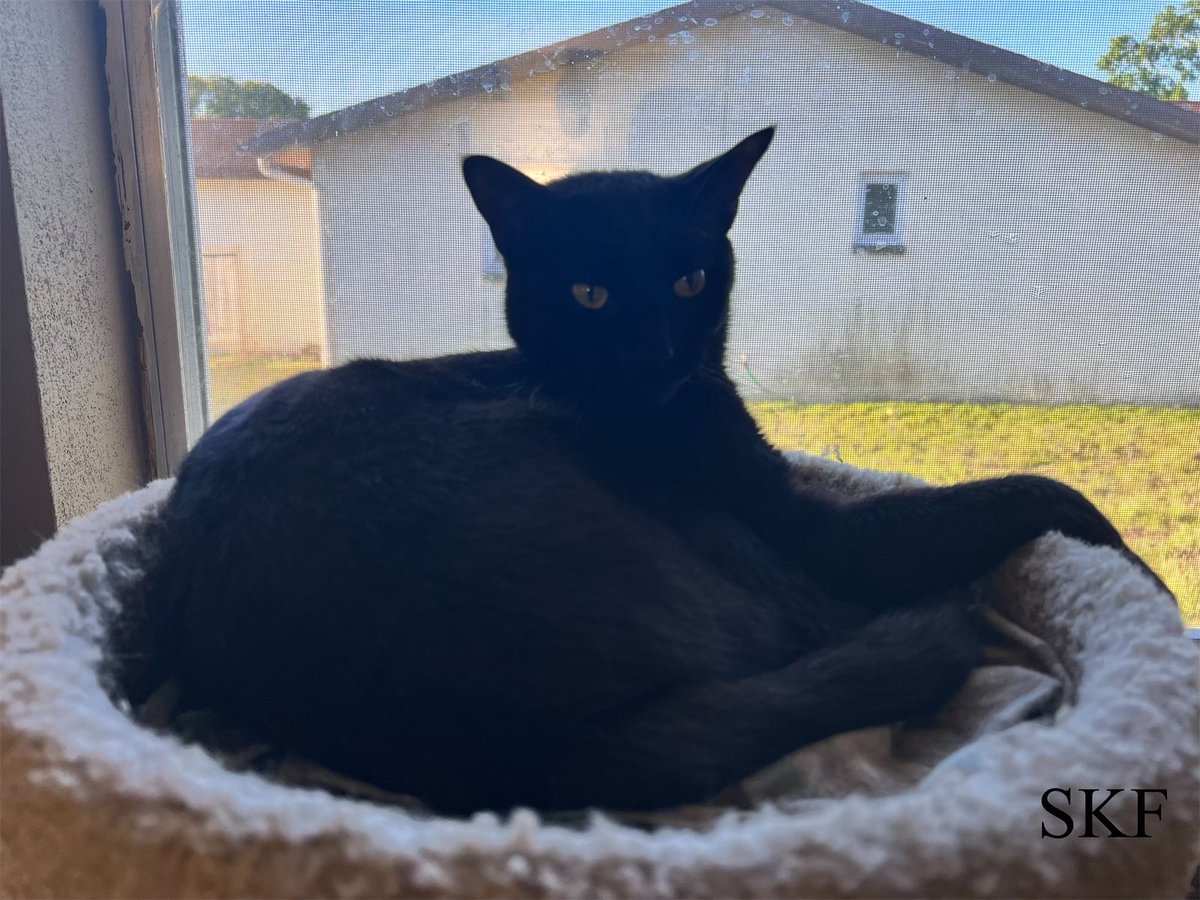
[1049,251]
[79,299]
[26,510]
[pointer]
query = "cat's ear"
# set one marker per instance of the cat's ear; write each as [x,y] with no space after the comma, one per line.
[501,193]
[716,185]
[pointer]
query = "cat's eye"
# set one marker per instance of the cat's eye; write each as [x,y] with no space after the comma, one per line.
[690,284]
[591,296]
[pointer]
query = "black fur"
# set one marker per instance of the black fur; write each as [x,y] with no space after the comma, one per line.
[573,573]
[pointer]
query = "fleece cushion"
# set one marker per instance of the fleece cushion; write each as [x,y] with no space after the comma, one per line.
[1098,689]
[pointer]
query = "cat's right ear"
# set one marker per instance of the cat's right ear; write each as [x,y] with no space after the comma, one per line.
[502,195]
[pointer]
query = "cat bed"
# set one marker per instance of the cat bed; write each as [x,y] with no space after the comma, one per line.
[1093,685]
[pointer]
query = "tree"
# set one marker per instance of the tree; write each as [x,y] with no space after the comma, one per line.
[1165,62]
[219,96]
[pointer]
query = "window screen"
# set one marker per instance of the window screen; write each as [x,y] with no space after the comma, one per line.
[1042,316]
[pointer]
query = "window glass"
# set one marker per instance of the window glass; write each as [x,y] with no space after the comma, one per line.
[879,209]
[1022,298]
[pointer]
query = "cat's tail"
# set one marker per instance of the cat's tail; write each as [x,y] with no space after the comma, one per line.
[687,746]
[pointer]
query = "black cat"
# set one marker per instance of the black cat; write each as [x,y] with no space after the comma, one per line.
[573,573]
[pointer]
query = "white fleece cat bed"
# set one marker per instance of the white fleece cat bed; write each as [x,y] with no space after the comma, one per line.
[94,804]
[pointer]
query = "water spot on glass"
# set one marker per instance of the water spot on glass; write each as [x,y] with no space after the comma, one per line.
[1156,136]
[651,38]
[658,20]
[683,18]
[845,17]
[672,39]
[710,22]
[687,37]
[925,31]
[1083,103]
[488,86]
[746,76]
[756,13]
[992,77]
[463,120]
[788,20]
[1103,90]
[900,34]
[693,55]
[825,65]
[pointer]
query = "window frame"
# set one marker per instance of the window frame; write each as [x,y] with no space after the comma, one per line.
[148,117]
[874,241]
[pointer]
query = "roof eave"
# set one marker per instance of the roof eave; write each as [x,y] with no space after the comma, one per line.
[887,28]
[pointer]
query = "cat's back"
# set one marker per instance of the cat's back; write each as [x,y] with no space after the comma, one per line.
[350,427]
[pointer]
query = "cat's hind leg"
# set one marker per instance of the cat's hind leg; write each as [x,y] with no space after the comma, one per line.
[686,746]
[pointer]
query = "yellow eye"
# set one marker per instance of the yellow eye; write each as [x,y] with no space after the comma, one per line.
[591,296]
[691,284]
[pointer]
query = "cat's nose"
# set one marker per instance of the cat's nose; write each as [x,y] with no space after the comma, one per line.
[656,352]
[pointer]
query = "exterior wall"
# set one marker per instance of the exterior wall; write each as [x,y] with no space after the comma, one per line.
[64,248]
[1047,247]
[258,240]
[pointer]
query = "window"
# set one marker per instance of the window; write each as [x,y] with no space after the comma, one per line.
[324,141]
[879,223]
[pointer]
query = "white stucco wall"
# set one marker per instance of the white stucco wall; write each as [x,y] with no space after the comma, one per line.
[271,227]
[1050,251]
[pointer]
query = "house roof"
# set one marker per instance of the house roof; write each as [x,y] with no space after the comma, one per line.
[896,31]
[217,149]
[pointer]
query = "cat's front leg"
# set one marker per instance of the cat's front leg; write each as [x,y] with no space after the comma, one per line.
[902,546]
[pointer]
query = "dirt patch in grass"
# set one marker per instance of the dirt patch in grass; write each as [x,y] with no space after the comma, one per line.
[1140,465]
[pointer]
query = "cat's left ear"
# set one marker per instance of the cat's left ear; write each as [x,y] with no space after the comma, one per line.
[716,185]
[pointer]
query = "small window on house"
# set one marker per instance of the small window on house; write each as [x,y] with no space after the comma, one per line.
[879,225]
[493,263]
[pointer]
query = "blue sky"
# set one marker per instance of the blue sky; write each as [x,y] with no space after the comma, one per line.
[336,52]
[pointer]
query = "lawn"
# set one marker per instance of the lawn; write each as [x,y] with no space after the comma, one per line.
[1140,465]
[232,379]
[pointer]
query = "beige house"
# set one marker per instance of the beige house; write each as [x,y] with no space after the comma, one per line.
[260,254]
[938,218]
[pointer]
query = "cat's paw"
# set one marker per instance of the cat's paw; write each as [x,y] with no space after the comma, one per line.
[1059,507]
[1075,516]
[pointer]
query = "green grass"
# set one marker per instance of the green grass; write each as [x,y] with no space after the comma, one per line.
[1140,465]
[231,379]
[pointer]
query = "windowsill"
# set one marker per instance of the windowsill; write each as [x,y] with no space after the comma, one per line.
[877,248]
